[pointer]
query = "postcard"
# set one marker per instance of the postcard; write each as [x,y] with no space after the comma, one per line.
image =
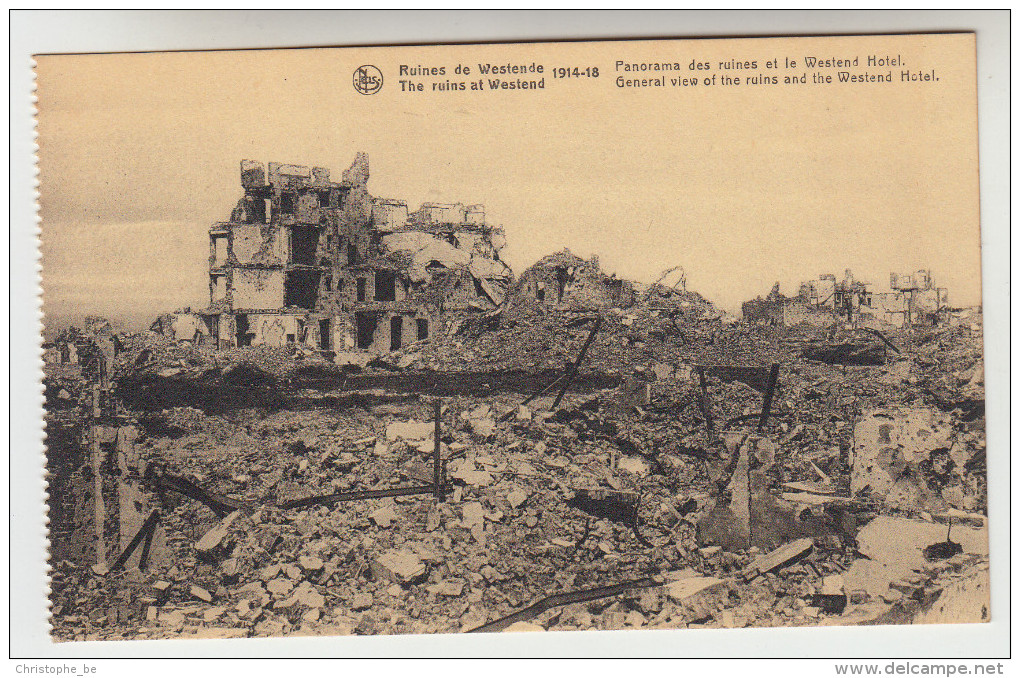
[483,338]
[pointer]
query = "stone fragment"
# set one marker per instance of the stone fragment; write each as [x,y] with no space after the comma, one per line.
[473,514]
[636,465]
[200,593]
[213,537]
[213,613]
[634,618]
[682,589]
[484,427]
[894,549]
[311,563]
[361,601]
[280,587]
[383,516]
[781,556]
[306,595]
[172,618]
[448,587]
[524,627]
[410,430]
[728,522]
[465,471]
[832,585]
[400,566]
[965,599]
[516,497]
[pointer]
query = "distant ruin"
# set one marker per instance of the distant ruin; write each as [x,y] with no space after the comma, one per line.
[914,300]
[565,280]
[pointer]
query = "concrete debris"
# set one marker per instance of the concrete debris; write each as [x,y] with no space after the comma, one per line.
[781,556]
[200,593]
[409,430]
[683,589]
[524,627]
[448,587]
[635,465]
[516,497]
[213,537]
[861,497]
[361,601]
[892,453]
[311,563]
[399,566]
[383,516]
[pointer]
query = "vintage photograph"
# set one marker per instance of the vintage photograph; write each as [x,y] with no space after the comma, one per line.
[671,334]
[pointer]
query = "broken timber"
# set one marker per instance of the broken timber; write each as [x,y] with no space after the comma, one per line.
[355,495]
[572,370]
[704,403]
[883,338]
[437,461]
[561,599]
[219,504]
[770,391]
[786,553]
[145,532]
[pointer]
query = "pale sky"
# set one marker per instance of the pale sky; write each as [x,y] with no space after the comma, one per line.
[742,186]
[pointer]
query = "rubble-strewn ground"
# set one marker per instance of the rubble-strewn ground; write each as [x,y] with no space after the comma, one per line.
[272,425]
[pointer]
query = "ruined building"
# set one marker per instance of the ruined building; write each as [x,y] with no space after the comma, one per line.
[304,259]
[566,281]
[913,300]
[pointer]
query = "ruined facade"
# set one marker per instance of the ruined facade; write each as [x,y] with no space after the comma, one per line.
[304,259]
[913,300]
[566,281]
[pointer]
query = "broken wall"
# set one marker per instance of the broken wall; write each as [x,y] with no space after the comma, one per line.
[389,214]
[796,312]
[564,280]
[257,288]
[255,244]
[273,329]
[763,311]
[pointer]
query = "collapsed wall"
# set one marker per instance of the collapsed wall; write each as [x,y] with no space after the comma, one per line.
[566,281]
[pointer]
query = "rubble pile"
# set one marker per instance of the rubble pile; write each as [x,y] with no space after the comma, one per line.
[694,493]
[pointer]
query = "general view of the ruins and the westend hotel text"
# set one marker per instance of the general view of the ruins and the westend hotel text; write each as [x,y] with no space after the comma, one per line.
[375,426]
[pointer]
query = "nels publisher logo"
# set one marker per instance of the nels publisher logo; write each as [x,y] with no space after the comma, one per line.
[367,79]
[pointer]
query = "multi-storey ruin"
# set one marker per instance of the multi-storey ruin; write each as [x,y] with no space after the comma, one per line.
[304,259]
